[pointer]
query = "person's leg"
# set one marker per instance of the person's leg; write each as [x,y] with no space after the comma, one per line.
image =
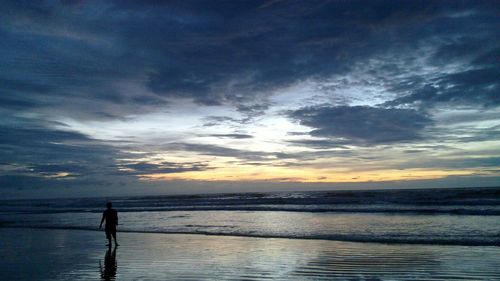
[108,236]
[114,237]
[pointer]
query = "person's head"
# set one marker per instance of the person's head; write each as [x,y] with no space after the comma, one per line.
[109,205]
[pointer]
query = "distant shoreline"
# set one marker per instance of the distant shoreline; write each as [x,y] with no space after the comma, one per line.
[185,195]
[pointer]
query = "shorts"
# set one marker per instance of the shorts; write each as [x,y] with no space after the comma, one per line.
[110,230]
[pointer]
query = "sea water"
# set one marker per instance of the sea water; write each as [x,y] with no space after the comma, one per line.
[429,234]
[427,216]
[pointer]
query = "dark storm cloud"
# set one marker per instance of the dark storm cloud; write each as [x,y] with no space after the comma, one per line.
[472,87]
[40,151]
[363,125]
[214,53]
[467,62]
[54,57]
[245,48]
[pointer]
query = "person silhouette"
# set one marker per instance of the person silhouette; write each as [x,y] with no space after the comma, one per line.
[108,272]
[110,215]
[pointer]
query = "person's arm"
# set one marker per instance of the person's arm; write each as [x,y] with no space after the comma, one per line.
[102,220]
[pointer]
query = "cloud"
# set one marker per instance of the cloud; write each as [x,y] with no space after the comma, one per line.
[363,125]
[467,88]
[321,143]
[232,136]
[140,168]
[40,151]
[22,181]
[211,121]
[215,150]
[474,134]
[235,53]
[69,168]
[452,163]
[382,73]
[462,65]
[253,110]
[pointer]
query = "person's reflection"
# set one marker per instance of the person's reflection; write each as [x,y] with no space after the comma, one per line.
[110,265]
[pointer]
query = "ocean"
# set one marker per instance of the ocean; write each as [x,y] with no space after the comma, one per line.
[428,234]
[469,217]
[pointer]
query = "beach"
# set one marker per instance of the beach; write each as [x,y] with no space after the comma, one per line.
[352,140]
[62,254]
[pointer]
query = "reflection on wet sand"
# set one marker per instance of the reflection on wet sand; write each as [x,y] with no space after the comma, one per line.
[375,262]
[197,257]
[74,255]
[108,271]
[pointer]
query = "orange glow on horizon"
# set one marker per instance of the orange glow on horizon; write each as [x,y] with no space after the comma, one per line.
[279,174]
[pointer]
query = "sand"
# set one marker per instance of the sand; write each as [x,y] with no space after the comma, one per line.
[54,254]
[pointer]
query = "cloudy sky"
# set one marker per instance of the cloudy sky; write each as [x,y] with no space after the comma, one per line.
[142,97]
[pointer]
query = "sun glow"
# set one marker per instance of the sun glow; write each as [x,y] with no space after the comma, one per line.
[281,174]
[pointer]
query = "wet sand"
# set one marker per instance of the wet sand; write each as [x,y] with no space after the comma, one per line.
[53,254]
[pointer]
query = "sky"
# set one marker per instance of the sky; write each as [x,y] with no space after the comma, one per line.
[105,98]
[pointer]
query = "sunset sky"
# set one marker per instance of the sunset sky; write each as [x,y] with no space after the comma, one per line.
[158,97]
